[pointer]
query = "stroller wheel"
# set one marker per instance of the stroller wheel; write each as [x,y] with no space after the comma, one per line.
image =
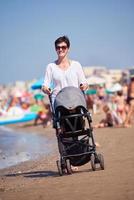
[92,159]
[68,166]
[59,167]
[101,161]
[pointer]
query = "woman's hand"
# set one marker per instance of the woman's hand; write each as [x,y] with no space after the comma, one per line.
[46,90]
[83,86]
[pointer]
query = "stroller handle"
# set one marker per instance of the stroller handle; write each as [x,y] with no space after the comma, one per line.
[49,94]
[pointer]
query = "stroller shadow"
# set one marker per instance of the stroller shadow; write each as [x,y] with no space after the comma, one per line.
[34,174]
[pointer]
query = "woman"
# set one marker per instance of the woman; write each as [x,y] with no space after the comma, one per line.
[63,72]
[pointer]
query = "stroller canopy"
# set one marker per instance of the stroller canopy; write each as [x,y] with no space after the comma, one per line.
[70,98]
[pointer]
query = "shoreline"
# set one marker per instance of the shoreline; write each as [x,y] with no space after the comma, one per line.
[29,128]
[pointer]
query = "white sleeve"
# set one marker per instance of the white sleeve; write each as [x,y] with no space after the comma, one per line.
[81,75]
[48,76]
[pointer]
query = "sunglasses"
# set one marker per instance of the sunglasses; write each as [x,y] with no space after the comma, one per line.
[61,47]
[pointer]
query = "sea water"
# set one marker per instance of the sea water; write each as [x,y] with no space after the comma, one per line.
[19,147]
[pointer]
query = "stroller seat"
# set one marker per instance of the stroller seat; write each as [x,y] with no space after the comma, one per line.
[72,123]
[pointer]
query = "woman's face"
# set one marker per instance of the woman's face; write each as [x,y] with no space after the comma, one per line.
[62,49]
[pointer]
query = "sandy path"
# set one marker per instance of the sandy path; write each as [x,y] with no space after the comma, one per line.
[39,179]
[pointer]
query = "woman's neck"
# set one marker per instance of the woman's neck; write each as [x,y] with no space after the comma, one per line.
[63,63]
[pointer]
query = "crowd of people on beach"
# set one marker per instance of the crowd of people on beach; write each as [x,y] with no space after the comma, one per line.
[15,103]
[117,107]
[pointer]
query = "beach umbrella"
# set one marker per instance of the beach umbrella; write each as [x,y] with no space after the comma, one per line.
[38,96]
[90,92]
[38,84]
[115,88]
[95,80]
[131,71]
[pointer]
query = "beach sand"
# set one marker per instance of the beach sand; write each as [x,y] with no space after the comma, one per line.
[39,179]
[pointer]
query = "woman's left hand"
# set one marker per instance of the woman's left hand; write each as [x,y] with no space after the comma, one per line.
[83,86]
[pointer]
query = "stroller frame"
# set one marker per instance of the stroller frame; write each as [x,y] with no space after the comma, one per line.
[78,125]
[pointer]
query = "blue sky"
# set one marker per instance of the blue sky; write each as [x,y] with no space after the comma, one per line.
[101,34]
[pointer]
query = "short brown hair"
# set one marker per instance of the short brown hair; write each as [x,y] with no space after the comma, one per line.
[62,39]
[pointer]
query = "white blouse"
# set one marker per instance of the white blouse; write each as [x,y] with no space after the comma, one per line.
[72,76]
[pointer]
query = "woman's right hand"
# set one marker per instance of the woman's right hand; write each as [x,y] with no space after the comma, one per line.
[46,90]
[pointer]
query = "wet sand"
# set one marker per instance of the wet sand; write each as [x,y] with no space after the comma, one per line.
[39,179]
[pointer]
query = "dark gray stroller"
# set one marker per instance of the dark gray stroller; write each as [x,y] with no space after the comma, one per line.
[74,132]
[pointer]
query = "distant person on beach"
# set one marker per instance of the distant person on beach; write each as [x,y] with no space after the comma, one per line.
[130,100]
[101,92]
[43,115]
[120,105]
[101,98]
[63,72]
[111,119]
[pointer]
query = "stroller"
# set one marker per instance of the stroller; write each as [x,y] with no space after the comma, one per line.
[74,132]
